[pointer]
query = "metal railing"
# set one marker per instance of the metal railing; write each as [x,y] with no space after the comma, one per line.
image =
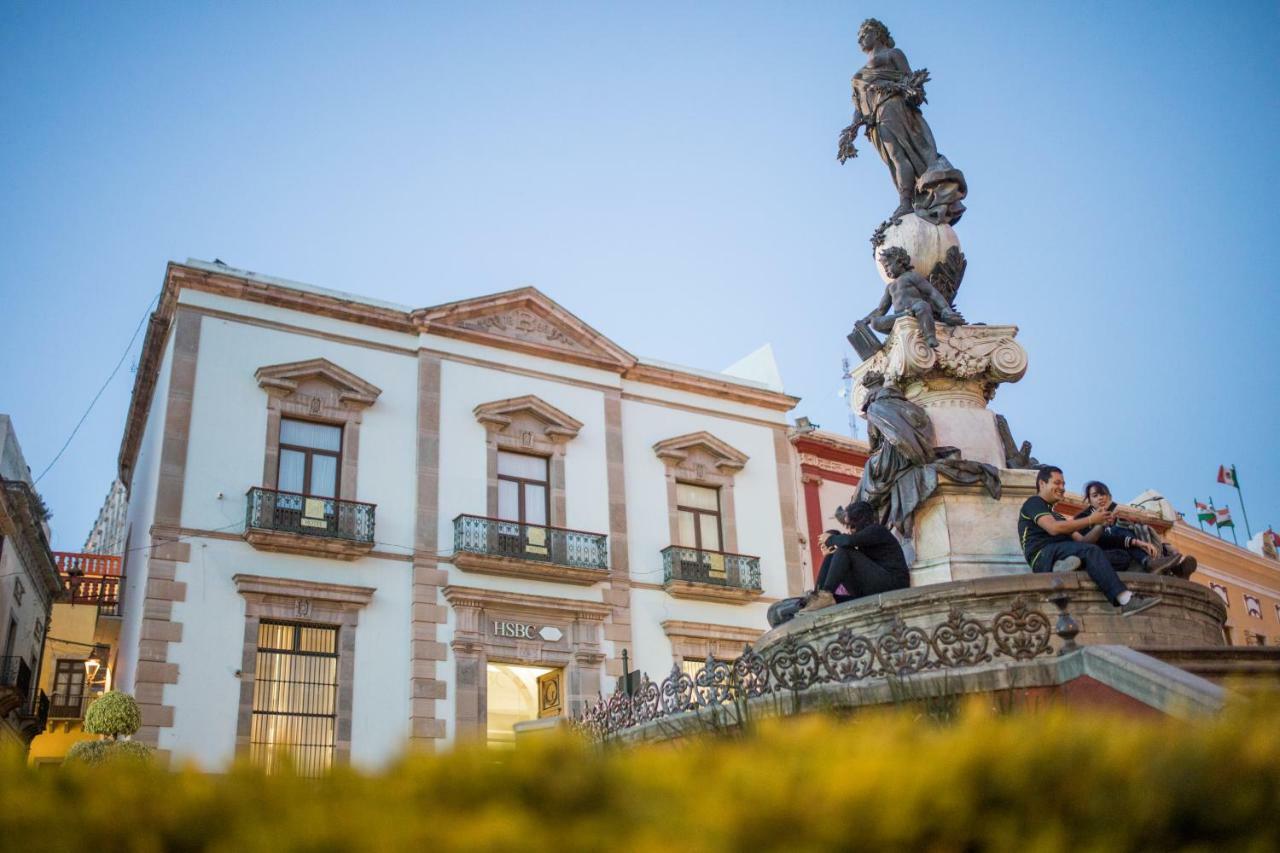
[288,512]
[71,564]
[69,705]
[479,535]
[718,568]
[15,672]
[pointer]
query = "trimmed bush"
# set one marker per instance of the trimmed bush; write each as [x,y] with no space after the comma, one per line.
[114,714]
[1061,780]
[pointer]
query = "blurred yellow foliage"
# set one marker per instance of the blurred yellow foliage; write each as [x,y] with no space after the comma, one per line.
[1054,781]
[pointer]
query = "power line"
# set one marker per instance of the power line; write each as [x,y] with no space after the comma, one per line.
[94,401]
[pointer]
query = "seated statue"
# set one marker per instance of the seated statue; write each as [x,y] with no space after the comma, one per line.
[910,294]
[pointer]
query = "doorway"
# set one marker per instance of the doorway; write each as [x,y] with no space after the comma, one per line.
[517,693]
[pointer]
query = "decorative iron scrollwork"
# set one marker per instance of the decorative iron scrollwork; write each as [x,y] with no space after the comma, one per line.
[1019,633]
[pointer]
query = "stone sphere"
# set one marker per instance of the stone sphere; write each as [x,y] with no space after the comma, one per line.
[925,242]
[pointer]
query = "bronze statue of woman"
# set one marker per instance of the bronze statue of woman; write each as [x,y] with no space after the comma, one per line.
[887,96]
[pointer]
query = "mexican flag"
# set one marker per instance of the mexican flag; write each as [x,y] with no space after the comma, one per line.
[1224,517]
[1227,476]
[1204,513]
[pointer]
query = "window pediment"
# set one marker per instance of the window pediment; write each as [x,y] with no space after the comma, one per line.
[320,379]
[527,414]
[701,449]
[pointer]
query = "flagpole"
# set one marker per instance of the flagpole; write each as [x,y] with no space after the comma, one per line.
[1199,521]
[1236,479]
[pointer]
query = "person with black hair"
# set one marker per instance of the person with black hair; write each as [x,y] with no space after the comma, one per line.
[1127,542]
[1052,543]
[866,561]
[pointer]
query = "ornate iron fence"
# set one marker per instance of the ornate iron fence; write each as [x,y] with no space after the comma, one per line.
[713,567]
[268,509]
[1020,633]
[479,535]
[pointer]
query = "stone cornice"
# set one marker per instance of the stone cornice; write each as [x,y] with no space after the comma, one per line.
[283,379]
[18,520]
[582,344]
[498,416]
[543,605]
[673,451]
[334,593]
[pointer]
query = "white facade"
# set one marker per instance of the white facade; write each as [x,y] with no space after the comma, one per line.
[426,400]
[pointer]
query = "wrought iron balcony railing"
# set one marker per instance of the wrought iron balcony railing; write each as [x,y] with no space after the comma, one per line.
[15,673]
[717,568]
[69,706]
[17,692]
[287,512]
[495,537]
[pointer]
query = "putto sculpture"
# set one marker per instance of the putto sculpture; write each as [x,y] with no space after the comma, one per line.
[887,96]
[910,294]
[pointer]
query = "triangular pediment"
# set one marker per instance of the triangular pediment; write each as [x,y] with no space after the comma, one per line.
[526,320]
[285,379]
[721,454]
[501,414]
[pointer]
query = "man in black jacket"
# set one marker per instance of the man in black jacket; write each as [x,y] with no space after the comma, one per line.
[865,562]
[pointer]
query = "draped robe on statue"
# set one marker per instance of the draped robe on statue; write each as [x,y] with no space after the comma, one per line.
[903,469]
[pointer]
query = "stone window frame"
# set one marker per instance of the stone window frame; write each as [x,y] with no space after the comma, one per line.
[288,397]
[300,602]
[534,427]
[698,640]
[701,459]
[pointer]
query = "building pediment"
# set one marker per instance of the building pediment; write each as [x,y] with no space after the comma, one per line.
[528,321]
[318,377]
[702,447]
[528,412]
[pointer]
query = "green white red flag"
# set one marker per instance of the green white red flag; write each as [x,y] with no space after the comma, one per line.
[1204,513]
[1224,517]
[1227,476]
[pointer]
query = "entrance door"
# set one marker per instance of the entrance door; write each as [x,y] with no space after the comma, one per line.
[516,693]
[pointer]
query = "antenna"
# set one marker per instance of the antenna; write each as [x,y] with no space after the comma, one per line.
[847,393]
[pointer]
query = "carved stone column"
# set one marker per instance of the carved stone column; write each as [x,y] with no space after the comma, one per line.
[953,382]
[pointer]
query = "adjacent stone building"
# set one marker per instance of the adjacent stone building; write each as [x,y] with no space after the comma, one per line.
[28,586]
[354,525]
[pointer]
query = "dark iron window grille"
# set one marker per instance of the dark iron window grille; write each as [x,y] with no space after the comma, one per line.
[295,697]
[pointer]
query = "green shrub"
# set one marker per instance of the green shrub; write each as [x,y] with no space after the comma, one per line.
[113,713]
[96,752]
[91,752]
[1062,780]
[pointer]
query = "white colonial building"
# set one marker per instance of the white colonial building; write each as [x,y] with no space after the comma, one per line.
[355,525]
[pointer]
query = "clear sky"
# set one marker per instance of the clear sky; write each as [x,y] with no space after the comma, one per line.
[668,173]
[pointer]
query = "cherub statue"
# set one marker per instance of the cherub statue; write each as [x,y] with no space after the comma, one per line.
[910,294]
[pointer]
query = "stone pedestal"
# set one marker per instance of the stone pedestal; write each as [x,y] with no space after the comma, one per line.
[961,533]
[953,382]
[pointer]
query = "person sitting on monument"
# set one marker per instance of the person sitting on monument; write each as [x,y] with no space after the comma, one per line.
[1052,543]
[866,561]
[1127,542]
[910,294]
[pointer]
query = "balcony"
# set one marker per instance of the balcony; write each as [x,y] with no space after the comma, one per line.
[495,547]
[90,579]
[18,693]
[69,706]
[710,575]
[297,524]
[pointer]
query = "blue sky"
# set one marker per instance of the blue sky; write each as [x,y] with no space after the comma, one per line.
[667,172]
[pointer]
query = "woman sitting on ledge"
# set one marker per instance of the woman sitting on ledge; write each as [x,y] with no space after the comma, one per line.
[865,562]
[1128,542]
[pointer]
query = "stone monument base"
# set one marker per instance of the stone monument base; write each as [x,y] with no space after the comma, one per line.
[961,533]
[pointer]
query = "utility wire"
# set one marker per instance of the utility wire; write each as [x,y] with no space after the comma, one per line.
[94,401]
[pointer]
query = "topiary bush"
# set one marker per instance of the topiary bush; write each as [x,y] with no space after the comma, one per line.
[114,714]
[91,752]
